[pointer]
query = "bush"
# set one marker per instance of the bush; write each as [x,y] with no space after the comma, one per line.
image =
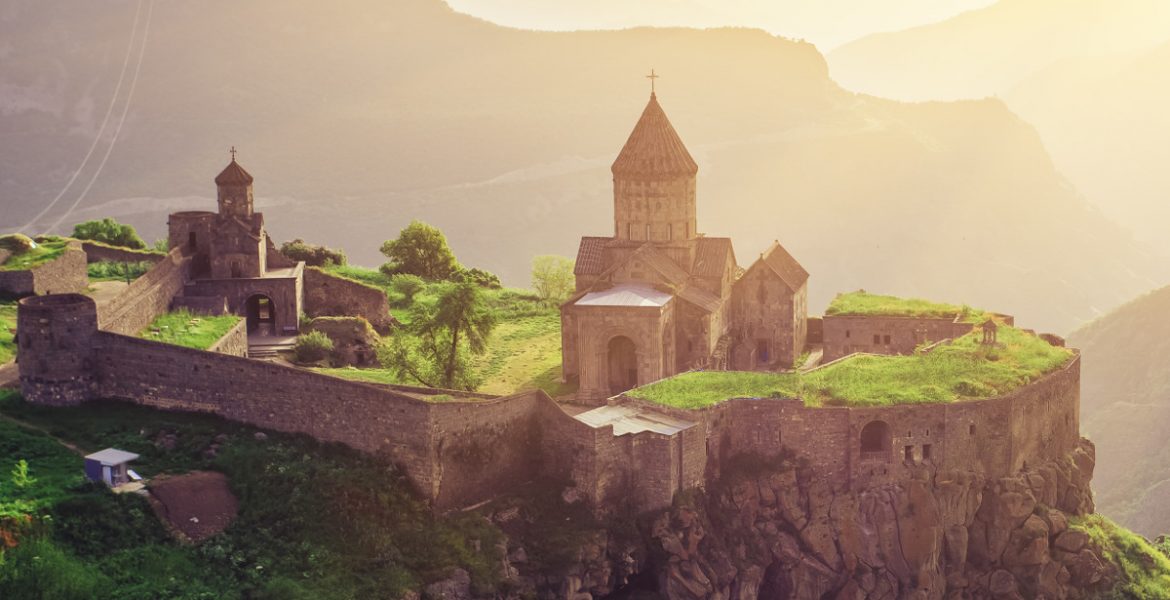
[110,232]
[16,243]
[480,277]
[312,254]
[408,285]
[313,347]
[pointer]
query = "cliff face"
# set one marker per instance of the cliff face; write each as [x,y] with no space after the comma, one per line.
[783,534]
[773,530]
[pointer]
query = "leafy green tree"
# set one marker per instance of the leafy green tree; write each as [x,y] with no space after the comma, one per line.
[442,337]
[312,254]
[421,250]
[552,277]
[110,232]
[408,285]
[480,277]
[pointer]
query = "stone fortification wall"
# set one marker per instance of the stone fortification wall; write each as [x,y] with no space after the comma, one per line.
[331,296]
[147,297]
[201,305]
[844,335]
[234,342]
[98,252]
[63,275]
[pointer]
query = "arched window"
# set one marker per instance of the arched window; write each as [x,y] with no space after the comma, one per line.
[875,441]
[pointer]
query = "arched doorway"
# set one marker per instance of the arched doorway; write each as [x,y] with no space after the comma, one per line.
[622,365]
[261,315]
[876,441]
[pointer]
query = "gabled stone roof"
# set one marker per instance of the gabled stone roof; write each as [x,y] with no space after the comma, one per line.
[780,262]
[233,174]
[712,255]
[654,148]
[590,260]
[700,297]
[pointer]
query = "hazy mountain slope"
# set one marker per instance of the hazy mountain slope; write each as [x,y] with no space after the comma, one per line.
[1105,122]
[356,118]
[1125,402]
[987,51]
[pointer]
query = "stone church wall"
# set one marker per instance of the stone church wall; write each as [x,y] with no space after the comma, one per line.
[331,296]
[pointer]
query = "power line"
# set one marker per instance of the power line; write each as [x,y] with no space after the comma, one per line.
[121,121]
[105,121]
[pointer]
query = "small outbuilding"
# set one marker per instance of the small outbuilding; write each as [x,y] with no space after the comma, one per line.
[110,466]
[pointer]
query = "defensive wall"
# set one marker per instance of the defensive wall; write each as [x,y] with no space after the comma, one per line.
[327,295]
[146,297]
[234,342]
[470,448]
[843,335]
[65,274]
[98,252]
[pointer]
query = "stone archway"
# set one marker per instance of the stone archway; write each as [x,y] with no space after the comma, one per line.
[261,315]
[621,365]
[876,441]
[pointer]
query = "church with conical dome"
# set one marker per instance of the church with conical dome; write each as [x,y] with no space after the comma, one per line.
[658,297]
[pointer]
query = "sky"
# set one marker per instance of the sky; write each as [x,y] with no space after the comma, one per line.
[826,23]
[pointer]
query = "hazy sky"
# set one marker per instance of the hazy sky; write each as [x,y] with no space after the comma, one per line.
[827,23]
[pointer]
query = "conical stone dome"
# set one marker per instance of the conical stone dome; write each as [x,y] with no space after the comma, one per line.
[654,149]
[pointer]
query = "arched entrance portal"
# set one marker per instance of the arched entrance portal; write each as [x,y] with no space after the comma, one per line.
[876,440]
[261,315]
[623,365]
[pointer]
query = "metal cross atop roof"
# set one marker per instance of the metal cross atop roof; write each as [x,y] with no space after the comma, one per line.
[652,76]
[233,151]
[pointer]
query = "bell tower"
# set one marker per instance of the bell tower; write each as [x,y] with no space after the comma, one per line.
[654,182]
[234,190]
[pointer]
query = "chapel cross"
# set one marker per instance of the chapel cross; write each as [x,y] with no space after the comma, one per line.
[233,151]
[652,76]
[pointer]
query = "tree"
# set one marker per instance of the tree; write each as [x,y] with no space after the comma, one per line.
[408,285]
[109,231]
[480,277]
[436,346]
[420,250]
[552,276]
[312,254]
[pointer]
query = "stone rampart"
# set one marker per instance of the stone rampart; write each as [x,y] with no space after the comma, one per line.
[234,342]
[328,295]
[65,274]
[99,252]
[146,297]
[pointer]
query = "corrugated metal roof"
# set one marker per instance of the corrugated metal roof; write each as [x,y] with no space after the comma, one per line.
[654,147]
[112,456]
[626,294]
[628,419]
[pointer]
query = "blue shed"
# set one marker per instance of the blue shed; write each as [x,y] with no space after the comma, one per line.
[110,467]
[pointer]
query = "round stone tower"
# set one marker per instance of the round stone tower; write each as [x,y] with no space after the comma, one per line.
[654,182]
[56,336]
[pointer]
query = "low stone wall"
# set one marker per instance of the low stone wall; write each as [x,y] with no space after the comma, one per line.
[201,305]
[98,252]
[146,297]
[65,274]
[844,335]
[331,296]
[234,342]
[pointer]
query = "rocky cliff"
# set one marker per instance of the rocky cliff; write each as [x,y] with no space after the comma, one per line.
[770,529]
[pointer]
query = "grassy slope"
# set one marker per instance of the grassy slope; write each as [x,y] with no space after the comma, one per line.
[963,369]
[7,324]
[1144,569]
[347,525]
[861,303]
[525,348]
[43,253]
[182,328]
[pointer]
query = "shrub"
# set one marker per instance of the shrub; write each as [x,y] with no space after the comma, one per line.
[16,243]
[313,347]
[111,232]
[480,277]
[312,254]
[408,285]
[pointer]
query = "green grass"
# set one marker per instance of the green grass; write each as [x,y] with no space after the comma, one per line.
[347,525]
[116,271]
[1144,570]
[7,324]
[43,253]
[182,328]
[964,369]
[862,303]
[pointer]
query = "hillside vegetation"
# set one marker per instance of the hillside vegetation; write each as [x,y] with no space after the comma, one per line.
[962,369]
[862,303]
[184,328]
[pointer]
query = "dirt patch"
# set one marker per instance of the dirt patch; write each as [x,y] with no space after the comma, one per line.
[198,505]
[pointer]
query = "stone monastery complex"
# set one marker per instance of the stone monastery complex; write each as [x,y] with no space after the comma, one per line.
[655,299]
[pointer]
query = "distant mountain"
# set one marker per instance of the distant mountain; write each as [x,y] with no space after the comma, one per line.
[357,117]
[1125,403]
[987,51]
